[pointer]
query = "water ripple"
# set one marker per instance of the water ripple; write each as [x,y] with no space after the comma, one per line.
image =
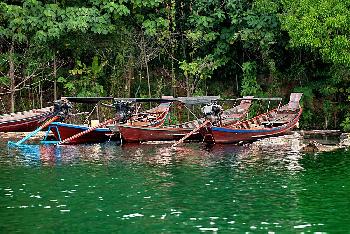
[191,189]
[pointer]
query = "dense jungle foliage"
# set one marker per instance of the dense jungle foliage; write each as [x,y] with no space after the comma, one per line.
[149,48]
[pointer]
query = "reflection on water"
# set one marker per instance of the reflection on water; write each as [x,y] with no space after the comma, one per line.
[268,186]
[163,154]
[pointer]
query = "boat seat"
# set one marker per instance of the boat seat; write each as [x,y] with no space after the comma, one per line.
[195,123]
[229,112]
[5,119]
[26,115]
[277,121]
[240,110]
[256,126]
[151,117]
[273,122]
[189,125]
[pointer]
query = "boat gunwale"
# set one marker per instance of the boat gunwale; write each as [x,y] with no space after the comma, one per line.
[77,126]
[285,126]
[34,117]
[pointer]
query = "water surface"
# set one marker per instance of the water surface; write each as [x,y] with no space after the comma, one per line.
[153,189]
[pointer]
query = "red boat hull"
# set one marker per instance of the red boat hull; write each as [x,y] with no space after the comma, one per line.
[231,135]
[137,134]
[176,132]
[21,125]
[63,131]
[25,121]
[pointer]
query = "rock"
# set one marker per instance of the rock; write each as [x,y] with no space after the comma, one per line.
[314,146]
[345,140]
[291,142]
[321,132]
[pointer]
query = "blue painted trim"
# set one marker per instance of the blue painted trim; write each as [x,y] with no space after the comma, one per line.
[49,142]
[45,141]
[47,133]
[59,134]
[83,128]
[244,130]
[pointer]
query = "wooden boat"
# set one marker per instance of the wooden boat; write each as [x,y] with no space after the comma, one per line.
[25,121]
[63,131]
[275,122]
[131,133]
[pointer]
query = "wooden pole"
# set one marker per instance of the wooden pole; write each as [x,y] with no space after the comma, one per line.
[12,77]
[55,78]
[41,94]
[190,133]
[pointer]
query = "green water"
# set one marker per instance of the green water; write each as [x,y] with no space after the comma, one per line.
[105,188]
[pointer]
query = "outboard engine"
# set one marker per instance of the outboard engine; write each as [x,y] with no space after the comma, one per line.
[124,109]
[62,108]
[212,112]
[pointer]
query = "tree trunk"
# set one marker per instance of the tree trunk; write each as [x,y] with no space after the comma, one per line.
[12,77]
[55,78]
[173,81]
[130,75]
[187,86]
[148,81]
[146,63]
[41,95]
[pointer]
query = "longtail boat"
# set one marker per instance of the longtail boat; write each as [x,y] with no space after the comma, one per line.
[275,122]
[66,133]
[25,121]
[131,133]
[62,131]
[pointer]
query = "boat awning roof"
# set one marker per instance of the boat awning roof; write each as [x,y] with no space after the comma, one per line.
[91,100]
[185,100]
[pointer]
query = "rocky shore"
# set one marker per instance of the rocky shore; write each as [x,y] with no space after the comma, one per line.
[300,141]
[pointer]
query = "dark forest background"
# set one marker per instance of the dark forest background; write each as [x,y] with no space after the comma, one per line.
[149,48]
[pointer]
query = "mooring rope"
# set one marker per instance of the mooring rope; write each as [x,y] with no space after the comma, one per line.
[190,133]
[44,125]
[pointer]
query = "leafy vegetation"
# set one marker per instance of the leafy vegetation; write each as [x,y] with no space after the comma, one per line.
[147,48]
